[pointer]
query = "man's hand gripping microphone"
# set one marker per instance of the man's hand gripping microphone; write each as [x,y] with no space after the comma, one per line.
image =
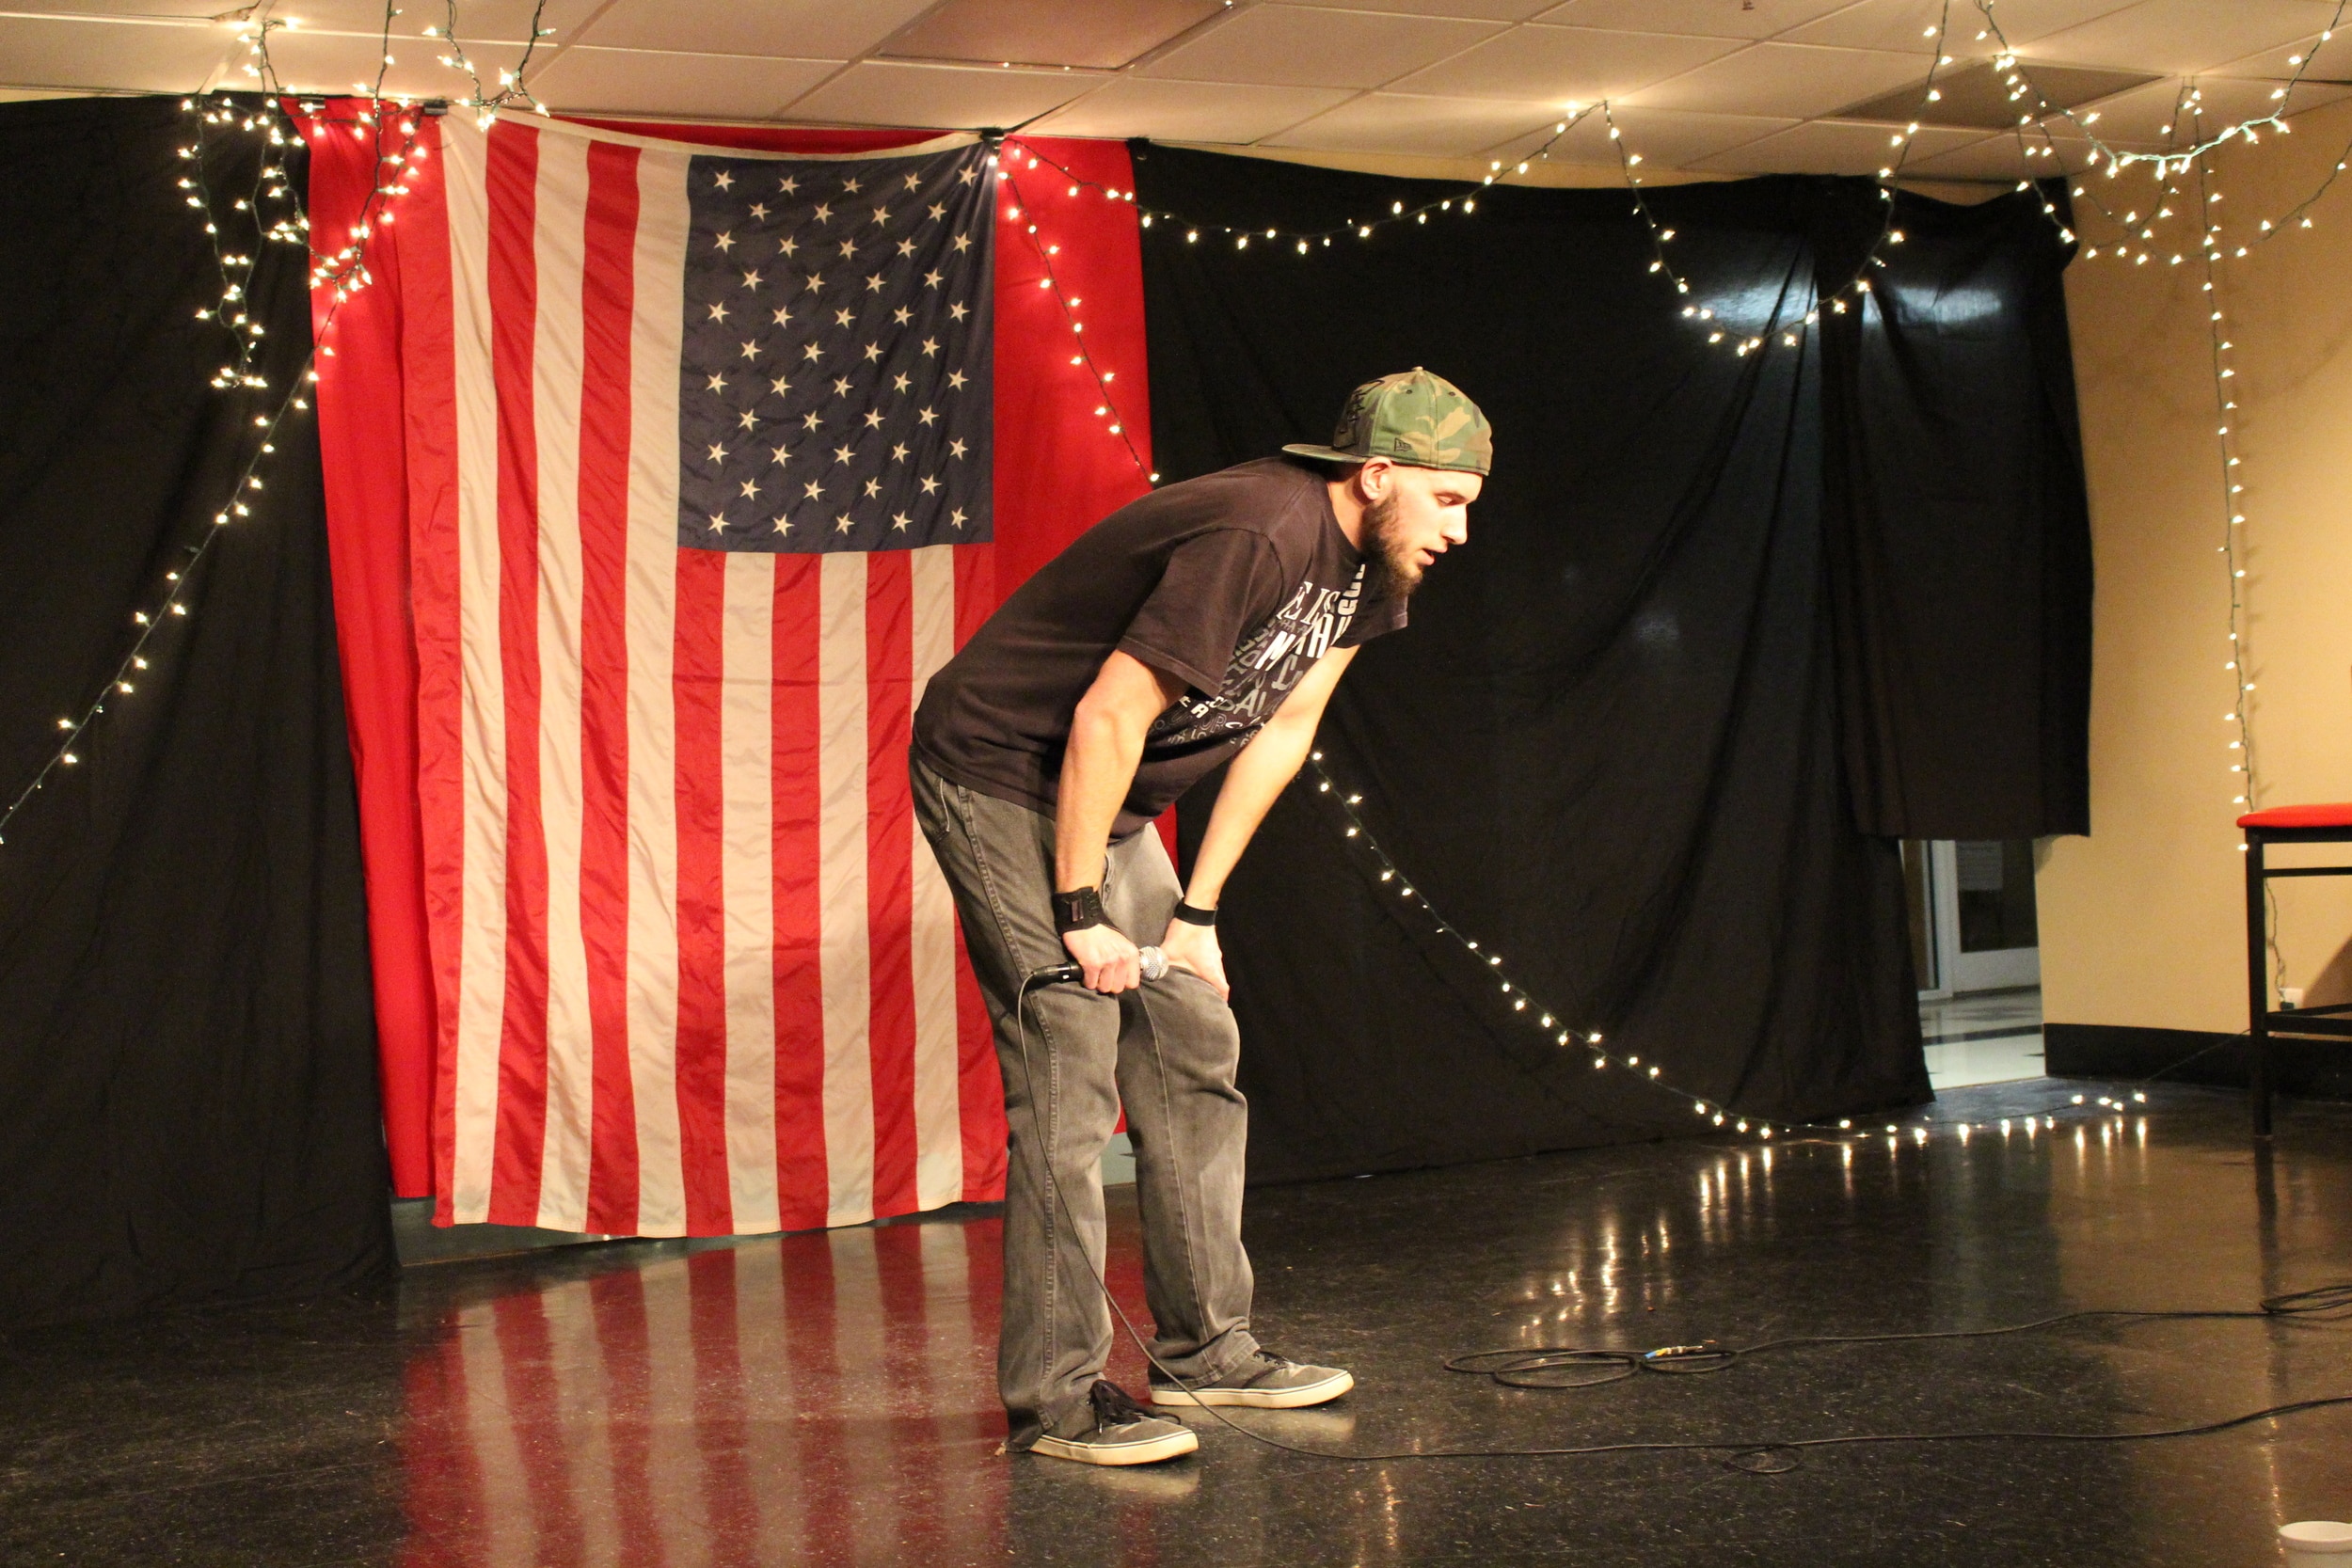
[1154,968]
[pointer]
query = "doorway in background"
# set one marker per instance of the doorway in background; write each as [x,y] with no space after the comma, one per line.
[1972,915]
[1975,944]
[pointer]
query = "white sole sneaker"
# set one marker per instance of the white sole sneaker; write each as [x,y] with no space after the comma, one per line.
[1318,1393]
[1144,1451]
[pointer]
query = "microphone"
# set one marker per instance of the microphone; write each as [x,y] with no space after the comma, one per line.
[1154,968]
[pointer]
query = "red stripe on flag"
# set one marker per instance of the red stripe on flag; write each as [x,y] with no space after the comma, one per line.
[803,1185]
[890,874]
[697,678]
[513,174]
[606,303]
[429,365]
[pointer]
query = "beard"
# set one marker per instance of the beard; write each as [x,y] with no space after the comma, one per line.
[1390,571]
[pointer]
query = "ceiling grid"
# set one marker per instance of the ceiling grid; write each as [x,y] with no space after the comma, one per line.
[1706,89]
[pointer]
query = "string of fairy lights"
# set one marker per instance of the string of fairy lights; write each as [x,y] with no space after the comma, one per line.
[344,270]
[2240,664]
[1305,242]
[1555,1025]
[2170,166]
[269,212]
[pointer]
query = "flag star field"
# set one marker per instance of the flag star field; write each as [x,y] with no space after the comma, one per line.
[835,387]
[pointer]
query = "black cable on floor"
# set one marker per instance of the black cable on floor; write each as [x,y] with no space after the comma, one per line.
[1586,1366]
[1752,1456]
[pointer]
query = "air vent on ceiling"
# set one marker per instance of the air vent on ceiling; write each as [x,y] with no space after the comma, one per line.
[1978,98]
[1101,34]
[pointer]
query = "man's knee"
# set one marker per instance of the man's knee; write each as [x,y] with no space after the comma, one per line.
[1192,1032]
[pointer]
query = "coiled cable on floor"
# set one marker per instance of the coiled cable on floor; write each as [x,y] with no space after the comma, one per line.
[1529,1368]
[1587,1367]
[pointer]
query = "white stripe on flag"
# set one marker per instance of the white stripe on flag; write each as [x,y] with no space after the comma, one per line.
[660,269]
[843,750]
[747,807]
[482,950]
[559,246]
[938,1116]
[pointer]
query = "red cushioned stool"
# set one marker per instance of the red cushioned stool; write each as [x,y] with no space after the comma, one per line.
[2284,825]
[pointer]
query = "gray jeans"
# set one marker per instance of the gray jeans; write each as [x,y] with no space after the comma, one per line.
[1167,1053]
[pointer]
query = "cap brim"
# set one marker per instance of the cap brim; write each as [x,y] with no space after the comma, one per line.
[1332,454]
[1328,454]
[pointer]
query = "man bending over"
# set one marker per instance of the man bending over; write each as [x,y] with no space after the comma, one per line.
[1207,621]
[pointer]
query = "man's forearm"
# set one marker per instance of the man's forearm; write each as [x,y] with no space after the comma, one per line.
[1258,773]
[1097,770]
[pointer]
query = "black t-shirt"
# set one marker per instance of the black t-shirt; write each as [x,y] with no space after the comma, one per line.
[1235,583]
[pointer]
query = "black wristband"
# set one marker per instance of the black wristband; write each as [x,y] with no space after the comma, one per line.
[1194,915]
[1075,911]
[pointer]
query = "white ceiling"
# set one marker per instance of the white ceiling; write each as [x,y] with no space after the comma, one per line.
[1708,88]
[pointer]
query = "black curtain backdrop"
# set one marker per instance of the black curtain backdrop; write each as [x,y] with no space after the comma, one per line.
[1622,741]
[187,1067]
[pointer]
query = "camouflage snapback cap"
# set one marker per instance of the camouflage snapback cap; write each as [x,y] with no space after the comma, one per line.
[1414,418]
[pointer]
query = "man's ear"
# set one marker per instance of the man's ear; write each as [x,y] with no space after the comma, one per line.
[1373,478]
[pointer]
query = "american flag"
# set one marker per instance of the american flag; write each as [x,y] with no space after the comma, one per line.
[717,432]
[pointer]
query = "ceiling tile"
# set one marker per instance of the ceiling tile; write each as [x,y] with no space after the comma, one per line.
[1998,157]
[588,80]
[1476,10]
[1664,140]
[1829,147]
[2183,35]
[335,62]
[187,12]
[131,55]
[2229,102]
[1907,24]
[2142,119]
[793,29]
[490,21]
[1561,65]
[888,92]
[1726,18]
[1314,46]
[1188,111]
[1424,127]
[1790,80]
[1977,94]
[1104,35]
[2138,117]
[2331,59]
[1675,138]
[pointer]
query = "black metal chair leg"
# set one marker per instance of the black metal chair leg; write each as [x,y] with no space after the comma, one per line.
[2257,985]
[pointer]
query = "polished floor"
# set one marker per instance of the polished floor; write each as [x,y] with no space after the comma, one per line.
[1982,1037]
[826,1399]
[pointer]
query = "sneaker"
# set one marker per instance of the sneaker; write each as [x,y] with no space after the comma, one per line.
[1123,1432]
[1264,1381]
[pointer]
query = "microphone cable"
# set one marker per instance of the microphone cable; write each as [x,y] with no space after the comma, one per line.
[1528,1368]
